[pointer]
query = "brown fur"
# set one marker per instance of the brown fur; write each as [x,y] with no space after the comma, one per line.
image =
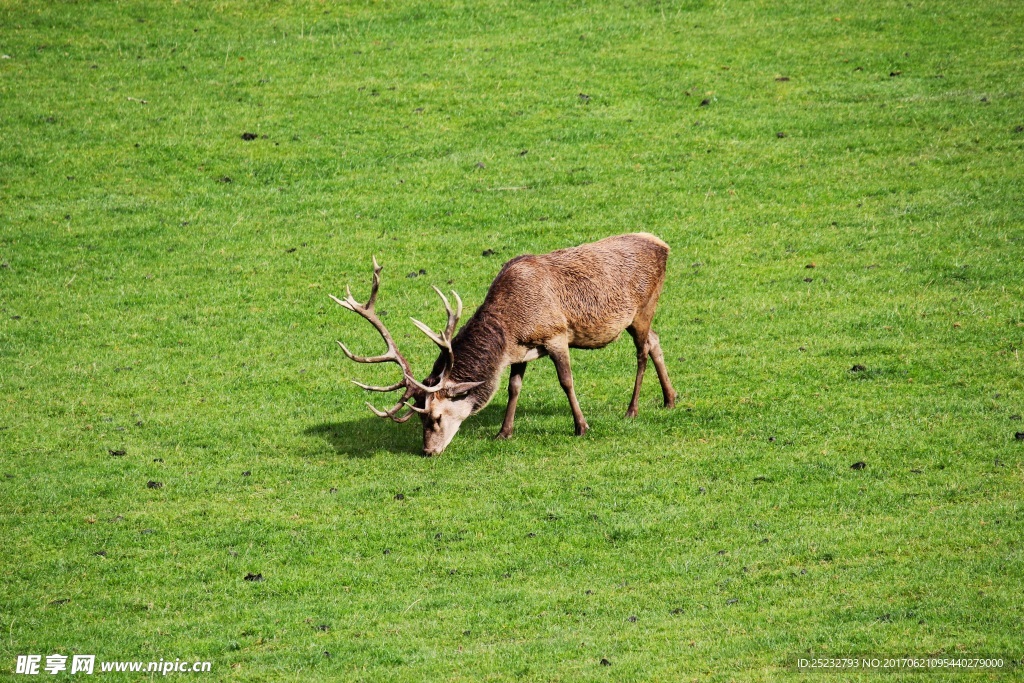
[580,297]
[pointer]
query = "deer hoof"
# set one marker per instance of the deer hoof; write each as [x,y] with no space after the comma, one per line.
[631,412]
[502,435]
[582,429]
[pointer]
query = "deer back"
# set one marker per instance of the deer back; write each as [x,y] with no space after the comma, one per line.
[591,292]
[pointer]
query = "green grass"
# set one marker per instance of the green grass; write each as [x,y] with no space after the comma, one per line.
[147,305]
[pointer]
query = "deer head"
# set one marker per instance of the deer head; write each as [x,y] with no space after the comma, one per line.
[441,404]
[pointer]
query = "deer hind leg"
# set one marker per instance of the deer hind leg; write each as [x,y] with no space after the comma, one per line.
[640,331]
[648,344]
[558,349]
[515,384]
[654,346]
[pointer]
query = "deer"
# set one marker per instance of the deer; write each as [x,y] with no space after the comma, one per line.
[538,305]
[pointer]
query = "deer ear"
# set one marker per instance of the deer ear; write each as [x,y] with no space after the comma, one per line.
[461,388]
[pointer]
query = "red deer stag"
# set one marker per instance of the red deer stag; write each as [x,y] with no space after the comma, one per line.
[582,297]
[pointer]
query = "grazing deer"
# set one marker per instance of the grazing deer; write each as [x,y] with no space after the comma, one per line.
[582,297]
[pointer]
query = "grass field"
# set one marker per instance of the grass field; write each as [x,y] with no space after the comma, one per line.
[163,291]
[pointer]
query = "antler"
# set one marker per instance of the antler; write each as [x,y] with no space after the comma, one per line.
[444,340]
[408,382]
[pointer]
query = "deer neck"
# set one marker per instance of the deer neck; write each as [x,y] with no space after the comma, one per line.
[479,350]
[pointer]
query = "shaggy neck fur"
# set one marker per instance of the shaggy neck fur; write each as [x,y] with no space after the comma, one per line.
[479,349]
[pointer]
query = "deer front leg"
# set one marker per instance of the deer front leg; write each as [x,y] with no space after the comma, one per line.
[515,384]
[558,349]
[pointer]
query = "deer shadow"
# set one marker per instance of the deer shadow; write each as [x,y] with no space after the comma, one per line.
[363,437]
